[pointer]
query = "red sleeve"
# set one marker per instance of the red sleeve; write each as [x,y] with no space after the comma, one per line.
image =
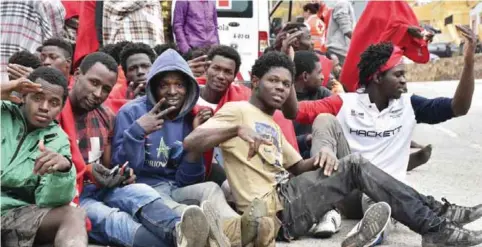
[310,109]
[287,128]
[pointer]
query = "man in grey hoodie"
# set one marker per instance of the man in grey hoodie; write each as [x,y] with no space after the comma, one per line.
[342,22]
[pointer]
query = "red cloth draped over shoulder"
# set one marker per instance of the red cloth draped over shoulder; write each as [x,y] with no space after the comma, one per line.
[383,21]
[117,97]
[86,42]
[237,92]
[67,122]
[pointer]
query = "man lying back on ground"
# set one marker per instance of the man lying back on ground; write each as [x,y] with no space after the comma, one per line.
[258,162]
[38,181]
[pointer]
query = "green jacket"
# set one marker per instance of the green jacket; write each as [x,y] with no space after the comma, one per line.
[19,186]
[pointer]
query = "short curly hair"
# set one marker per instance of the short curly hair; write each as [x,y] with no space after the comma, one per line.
[313,8]
[98,57]
[159,49]
[25,58]
[136,48]
[374,57]
[227,52]
[114,50]
[305,61]
[52,76]
[62,44]
[272,60]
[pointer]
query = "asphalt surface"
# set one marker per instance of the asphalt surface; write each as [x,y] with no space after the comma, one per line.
[454,170]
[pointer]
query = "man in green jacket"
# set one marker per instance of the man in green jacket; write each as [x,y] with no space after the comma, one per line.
[37,179]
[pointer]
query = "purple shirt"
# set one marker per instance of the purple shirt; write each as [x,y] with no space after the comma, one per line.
[195,24]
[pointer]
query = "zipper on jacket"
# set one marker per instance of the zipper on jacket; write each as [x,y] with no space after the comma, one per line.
[18,148]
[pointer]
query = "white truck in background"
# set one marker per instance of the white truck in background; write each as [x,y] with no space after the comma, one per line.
[243,25]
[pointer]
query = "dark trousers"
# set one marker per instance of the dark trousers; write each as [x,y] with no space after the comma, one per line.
[307,197]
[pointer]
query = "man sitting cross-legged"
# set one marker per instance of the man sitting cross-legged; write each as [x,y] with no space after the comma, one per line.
[38,180]
[149,132]
[257,162]
[122,212]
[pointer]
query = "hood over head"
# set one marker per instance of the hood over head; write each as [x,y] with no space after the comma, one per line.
[168,61]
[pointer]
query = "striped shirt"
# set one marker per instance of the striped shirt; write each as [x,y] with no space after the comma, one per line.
[25,25]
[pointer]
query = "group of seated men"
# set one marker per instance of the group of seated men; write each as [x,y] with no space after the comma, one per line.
[140,161]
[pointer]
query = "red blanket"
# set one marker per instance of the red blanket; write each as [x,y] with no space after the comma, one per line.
[86,42]
[382,21]
[72,8]
[117,97]
[67,122]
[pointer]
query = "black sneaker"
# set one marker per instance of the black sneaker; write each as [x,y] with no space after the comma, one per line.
[373,223]
[459,214]
[451,234]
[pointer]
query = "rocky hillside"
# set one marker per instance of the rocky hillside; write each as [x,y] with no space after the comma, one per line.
[442,70]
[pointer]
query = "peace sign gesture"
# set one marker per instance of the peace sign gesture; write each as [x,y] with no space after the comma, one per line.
[154,119]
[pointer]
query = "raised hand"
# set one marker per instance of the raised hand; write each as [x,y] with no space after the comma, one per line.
[470,43]
[49,161]
[287,43]
[17,71]
[202,116]
[137,89]
[22,86]
[198,65]
[154,119]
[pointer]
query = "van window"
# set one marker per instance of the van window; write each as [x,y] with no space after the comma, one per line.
[239,9]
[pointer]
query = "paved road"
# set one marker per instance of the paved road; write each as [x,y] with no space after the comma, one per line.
[454,172]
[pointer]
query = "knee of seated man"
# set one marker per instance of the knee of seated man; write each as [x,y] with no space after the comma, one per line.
[325,118]
[354,160]
[141,188]
[70,213]
[212,188]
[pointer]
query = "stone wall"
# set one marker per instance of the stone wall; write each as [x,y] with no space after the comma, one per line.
[442,70]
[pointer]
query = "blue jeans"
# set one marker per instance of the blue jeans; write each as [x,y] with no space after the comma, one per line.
[117,214]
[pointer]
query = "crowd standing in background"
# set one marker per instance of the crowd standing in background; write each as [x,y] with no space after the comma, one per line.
[123,125]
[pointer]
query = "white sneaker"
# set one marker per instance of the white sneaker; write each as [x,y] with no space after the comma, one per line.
[370,228]
[193,229]
[216,235]
[329,225]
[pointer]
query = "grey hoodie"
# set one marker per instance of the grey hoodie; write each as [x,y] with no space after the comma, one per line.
[158,156]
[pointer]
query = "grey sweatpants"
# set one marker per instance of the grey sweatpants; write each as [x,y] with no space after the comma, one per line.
[178,198]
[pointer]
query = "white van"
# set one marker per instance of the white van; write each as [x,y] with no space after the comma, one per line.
[243,25]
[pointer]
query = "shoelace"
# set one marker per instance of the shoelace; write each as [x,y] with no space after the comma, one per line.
[447,204]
